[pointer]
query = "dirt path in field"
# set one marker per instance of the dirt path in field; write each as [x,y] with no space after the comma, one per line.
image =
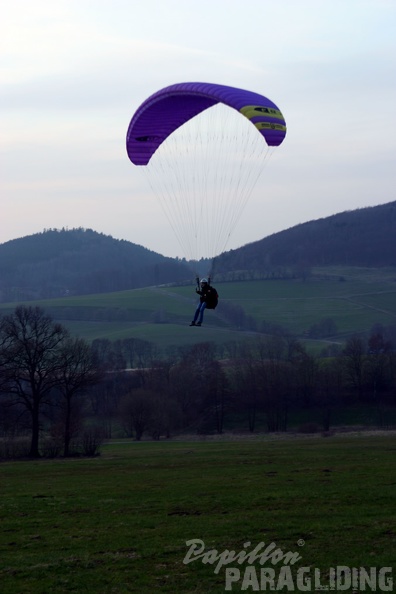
[172,295]
[385,311]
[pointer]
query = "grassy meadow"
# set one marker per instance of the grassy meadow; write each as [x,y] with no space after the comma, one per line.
[119,523]
[355,298]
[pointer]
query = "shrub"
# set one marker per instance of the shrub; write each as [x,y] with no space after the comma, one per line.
[308,428]
[92,439]
[12,447]
[51,447]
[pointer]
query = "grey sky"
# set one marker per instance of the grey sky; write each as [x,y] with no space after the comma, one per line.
[73,72]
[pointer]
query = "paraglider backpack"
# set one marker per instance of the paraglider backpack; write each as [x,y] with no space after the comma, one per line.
[212,298]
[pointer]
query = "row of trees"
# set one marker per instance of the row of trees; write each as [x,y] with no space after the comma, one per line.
[53,384]
[271,380]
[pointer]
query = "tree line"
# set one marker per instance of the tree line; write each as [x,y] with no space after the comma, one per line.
[57,391]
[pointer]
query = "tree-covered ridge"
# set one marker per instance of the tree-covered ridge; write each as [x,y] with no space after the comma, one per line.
[79,261]
[363,237]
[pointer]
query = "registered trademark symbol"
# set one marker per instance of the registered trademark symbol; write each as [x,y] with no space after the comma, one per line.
[301,542]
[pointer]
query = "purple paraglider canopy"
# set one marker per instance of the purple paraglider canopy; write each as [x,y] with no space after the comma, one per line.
[168,109]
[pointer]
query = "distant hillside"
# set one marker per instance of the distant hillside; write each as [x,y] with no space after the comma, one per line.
[56,263]
[363,237]
[79,261]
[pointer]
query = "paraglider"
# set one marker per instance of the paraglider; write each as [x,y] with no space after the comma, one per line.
[208,299]
[204,147]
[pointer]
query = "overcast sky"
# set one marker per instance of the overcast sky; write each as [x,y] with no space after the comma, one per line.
[74,71]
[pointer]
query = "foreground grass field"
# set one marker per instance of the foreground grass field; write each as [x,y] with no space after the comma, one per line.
[119,523]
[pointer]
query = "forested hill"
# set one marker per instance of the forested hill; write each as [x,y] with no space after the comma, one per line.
[63,262]
[79,261]
[363,237]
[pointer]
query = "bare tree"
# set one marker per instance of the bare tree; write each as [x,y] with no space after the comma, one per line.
[244,376]
[331,381]
[78,370]
[136,411]
[29,361]
[354,358]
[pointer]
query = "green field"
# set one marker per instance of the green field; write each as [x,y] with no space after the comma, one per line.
[354,299]
[119,523]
